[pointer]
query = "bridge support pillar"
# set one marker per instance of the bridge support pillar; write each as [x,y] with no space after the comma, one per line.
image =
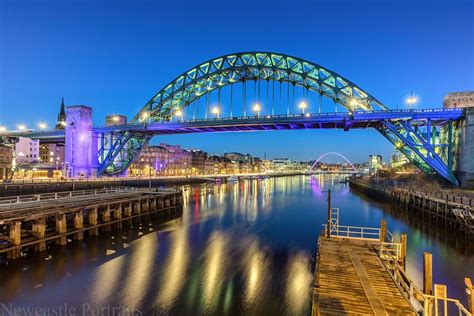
[39,229]
[81,143]
[465,163]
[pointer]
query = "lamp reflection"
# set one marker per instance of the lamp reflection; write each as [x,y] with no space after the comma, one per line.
[298,283]
[106,280]
[174,273]
[213,270]
[255,273]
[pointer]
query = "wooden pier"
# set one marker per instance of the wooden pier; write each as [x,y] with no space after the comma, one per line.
[30,222]
[361,271]
[444,209]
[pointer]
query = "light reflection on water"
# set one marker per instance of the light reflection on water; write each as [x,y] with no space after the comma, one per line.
[240,248]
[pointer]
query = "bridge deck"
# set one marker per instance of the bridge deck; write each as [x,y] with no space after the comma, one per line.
[350,279]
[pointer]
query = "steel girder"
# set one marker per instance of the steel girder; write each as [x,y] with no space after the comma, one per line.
[229,69]
[420,147]
[240,67]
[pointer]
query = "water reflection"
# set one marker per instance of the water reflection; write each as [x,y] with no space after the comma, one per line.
[240,248]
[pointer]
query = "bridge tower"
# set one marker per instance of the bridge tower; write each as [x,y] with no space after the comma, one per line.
[465,165]
[81,143]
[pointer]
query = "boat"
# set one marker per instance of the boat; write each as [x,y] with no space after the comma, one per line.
[232,179]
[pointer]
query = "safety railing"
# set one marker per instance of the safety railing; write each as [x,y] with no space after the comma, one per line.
[424,304]
[355,232]
[62,195]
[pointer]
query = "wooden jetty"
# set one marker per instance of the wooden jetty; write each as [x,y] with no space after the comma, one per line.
[361,271]
[32,221]
[457,212]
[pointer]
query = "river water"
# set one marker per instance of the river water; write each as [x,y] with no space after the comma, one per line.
[239,248]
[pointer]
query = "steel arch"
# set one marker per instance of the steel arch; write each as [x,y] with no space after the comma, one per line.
[241,67]
[333,153]
[229,69]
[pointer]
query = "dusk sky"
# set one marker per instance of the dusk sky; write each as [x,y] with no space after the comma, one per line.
[115,55]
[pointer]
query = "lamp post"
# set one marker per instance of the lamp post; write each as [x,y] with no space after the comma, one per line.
[21,127]
[178,114]
[411,100]
[256,108]
[303,105]
[215,110]
[42,125]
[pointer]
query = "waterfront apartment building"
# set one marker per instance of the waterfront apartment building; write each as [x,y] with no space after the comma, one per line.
[162,160]
[375,163]
[52,154]
[27,150]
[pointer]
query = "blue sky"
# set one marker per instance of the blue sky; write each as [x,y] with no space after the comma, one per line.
[114,55]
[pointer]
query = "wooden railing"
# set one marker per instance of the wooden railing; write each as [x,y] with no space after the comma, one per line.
[61,195]
[392,253]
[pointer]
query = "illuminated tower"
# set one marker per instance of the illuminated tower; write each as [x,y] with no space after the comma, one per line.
[81,143]
[61,117]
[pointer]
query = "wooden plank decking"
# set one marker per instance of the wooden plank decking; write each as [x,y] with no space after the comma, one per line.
[350,279]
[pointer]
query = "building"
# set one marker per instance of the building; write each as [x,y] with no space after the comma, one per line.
[202,163]
[116,119]
[27,150]
[52,154]
[375,163]
[6,159]
[459,99]
[61,123]
[162,160]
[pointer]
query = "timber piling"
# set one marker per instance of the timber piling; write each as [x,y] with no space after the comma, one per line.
[29,225]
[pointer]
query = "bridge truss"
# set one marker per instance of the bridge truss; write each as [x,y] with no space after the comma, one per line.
[206,95]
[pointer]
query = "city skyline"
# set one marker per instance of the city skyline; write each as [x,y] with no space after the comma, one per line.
[106,65]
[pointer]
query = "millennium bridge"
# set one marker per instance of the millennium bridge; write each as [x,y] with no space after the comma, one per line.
[257,91]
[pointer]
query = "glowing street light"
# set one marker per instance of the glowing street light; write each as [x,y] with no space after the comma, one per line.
[21,127]
[42,125]
[115,118]
[256,108]
[303,105]
[144,116]
[63,123]
[215,110]
[353,103]
[411,100]
[3,129]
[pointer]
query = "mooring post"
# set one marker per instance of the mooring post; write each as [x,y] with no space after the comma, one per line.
[470,294]
[61,228]
[403,250]
[427,273]
[79,225]
[93,221]
[383,230]
[328,227]
[15,237]
[38,229]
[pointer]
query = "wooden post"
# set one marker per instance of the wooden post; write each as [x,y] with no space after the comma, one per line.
[403,250]
[93,221]
[118,214]
[138,208]
[427,273]
[39,229]
[383,230]
[127,211]
[328,227]
[15,238]
[61,228]
[106,217]
[440,293]
[79,225]
[470,294]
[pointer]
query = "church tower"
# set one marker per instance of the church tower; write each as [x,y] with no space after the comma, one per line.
[61,117]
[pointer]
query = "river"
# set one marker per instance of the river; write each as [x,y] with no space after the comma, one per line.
[246,247]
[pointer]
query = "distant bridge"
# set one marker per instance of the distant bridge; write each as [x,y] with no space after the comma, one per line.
[186,105]
[353,171]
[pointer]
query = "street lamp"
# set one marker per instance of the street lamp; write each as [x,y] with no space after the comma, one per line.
[42,125]
[115,118]
[303,105]
[3,129]
[256,108]
[21,127]
[215,110]
[144,116]
[178,114]
[411,100]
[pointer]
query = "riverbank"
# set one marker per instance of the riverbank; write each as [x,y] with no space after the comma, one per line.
[22,187]
[454,211]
